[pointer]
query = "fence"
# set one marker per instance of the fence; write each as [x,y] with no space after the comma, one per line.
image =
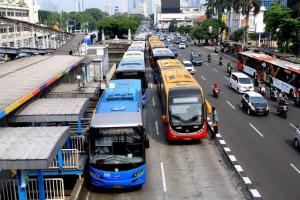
[70,159]
[54,189]
[78,142]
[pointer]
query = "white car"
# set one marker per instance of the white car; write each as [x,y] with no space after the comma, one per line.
[240,82]
[297,138]
[182,45]
[189,66]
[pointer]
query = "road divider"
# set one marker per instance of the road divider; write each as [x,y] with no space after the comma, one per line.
[257,131]
[243,182]
[230,105]
[163,176]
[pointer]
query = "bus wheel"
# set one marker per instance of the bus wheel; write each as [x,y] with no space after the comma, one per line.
[291,93]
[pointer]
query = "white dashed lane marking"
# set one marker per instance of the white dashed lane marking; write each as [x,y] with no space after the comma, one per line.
[257,131]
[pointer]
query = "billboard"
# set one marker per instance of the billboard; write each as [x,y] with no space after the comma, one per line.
[170,6]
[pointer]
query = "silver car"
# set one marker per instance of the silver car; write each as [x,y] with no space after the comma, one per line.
[297,137]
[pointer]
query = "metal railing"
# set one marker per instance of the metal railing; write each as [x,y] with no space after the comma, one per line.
[85,123]
[70,159]
[53,187]
[78,142]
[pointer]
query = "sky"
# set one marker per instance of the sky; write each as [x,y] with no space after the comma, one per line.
[69,5]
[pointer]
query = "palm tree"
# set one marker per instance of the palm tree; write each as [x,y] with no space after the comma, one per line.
[246,6]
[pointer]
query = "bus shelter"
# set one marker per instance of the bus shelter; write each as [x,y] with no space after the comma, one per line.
[30,148]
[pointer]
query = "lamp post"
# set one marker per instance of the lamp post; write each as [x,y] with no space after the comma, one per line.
[210,30]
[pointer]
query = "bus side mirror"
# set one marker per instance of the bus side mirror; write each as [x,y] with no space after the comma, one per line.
[164,119]
[208,107]
[147,145]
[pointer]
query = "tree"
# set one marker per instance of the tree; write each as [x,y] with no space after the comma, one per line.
[184,29]
[238,35]
[173,26]
[283,27]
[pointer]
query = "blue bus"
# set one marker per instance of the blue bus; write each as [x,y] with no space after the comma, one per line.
[132,66]
[137,46]
[117,138]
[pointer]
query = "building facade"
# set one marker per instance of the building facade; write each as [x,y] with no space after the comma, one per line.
[108,8]
[79,6]
[170,6]
[268,3]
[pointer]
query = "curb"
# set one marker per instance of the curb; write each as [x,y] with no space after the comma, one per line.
[239,176]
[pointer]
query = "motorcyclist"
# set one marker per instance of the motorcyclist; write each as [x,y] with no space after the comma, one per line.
[209,57]
[261,87]
[216,88]
[221,60]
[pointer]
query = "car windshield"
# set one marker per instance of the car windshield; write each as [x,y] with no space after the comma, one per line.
[245,80]
[185,114]
[196,57]
[259,100]
[188,65]
[117,146]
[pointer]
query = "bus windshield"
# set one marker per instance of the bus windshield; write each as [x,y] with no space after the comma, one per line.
[116,146]
[185,111]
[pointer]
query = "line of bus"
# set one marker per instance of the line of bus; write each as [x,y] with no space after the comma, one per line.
[137,46]
[117,139]
[183,102]
[282,74]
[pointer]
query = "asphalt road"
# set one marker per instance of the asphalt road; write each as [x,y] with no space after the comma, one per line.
[262,144]
[178,171]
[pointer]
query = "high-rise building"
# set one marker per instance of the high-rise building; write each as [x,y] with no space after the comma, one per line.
[268,3]
[170,6]
[117,10]
[124,6]
[108,8]
[79,6]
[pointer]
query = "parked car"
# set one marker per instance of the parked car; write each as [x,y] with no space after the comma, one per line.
[189,66]
[240,82]
[254,103]
[196,59]
[297,138]
[182,45]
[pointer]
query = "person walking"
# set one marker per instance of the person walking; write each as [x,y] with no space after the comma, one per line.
[215,122]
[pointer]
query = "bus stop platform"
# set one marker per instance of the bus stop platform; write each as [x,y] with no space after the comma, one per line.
[67,90]
[24,81]
[35,149]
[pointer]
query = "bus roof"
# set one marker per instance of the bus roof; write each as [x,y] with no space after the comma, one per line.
[170,64]
[134,54]
[119,105]
[131,64]
[137,46]
[180,78]
[274,61]
[154,38]
[157,44]
[163,52]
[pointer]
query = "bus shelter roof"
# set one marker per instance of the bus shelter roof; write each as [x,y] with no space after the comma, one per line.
[30,147]
[26,81]
[52,110]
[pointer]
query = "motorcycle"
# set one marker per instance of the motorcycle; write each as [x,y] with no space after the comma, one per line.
[282,111]
[229,68]
[262,89]
[216,90]
[209,58]
[220,62]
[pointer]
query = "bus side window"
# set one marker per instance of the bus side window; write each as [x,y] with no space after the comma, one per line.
[208,107]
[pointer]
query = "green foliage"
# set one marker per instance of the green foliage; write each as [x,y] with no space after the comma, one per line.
[119,25]
[173,26]
[87,19]
[284,28]
[252,36]
[201,32]
[238,35]
[184,29]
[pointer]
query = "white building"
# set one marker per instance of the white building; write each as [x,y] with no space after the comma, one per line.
[108,8]
[79,6]
[26,10]
[124,6]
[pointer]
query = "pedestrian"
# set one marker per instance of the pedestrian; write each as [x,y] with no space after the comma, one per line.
[215,121]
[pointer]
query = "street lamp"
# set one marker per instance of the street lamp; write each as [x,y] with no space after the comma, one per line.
[210,30]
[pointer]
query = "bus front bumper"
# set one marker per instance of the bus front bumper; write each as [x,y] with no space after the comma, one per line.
[174,136]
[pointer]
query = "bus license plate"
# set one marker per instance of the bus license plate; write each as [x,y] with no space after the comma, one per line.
[187,139]
[117,186]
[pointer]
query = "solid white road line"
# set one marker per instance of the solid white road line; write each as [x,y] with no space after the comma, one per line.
[292,125]
[203,77]
[230,105]
[156,127]
[153,102]
[295,168]
[215,70]
[226,78]
[257,131]
[163,176]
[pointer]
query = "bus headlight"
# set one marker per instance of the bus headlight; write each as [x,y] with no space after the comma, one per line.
[139,173]
[94,174]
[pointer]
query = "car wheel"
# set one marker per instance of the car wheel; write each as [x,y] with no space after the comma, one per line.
[237,90]
[296,143]
[242,105]
[248,111]
[230,85]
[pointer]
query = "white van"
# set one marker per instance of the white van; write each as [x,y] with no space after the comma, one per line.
[240,82]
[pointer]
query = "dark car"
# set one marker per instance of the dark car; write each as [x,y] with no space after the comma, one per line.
[196,59]
[173,49]
[176,40]
[254,103]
